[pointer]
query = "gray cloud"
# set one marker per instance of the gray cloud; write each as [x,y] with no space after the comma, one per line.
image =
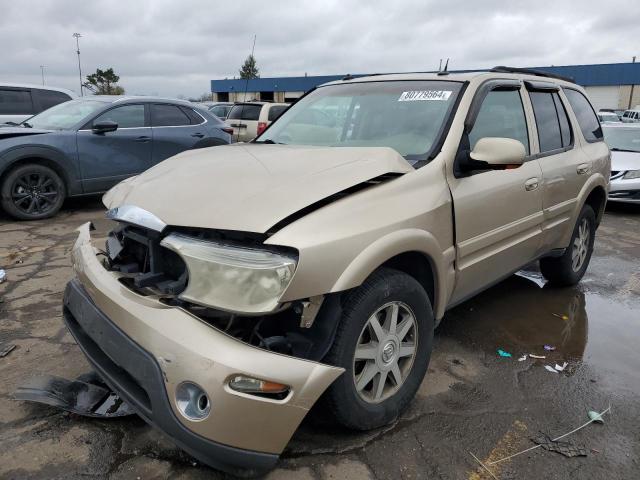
[174,48]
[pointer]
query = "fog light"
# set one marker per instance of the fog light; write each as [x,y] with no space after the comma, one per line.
[243,384]
[192,401]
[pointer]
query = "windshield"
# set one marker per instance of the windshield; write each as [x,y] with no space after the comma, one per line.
[407,116]
[65,115]
[620,138]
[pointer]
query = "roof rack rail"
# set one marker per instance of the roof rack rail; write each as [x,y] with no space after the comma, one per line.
[530,71]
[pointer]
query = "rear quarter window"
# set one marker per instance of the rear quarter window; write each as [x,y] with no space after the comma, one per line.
[15,102]
[275,111]
[245,112]
[587,119]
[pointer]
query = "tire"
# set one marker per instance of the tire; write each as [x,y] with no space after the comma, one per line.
[364,408]
[571,266]
[32,192]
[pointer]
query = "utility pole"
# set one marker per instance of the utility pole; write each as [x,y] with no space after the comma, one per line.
[42,73]
[77,36]
[632,86]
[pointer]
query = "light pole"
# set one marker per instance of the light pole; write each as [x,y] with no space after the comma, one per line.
[42,72]
[77,36]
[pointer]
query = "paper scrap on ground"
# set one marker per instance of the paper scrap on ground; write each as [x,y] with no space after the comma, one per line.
[522,358]
[549,348]
[595,417]
[550,369]
[3,275]
[563,317]
[541,357]
[561,368]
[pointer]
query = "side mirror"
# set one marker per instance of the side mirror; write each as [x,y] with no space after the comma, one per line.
[498,151]
[104,127]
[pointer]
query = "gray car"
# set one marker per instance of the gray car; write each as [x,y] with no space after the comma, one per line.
[88,145]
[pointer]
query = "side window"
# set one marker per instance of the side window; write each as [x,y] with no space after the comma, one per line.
[168,116]
[501,115]
[586,116]
[194,118]
[50,98]
[276,111]
[126,116]
[565,125]
[544,109]
[15,102]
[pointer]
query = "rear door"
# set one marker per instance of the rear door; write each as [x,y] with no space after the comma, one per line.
[175,128]
[16,104]
[243,118]
[497,212]
[107,158]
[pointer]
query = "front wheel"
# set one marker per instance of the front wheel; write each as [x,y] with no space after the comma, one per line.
[32,192]
[384,344]
[571,266]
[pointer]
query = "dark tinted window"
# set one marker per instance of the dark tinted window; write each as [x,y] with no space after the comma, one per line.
[168,116]
[565,127]
[126,116]
[15,102]
[501,115]
[245,112]
[220,111]
[49,98]
[586,116]
[544,109]
[194,118]
[275,111]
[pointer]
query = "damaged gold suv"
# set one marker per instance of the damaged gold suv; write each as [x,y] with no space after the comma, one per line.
[243,283]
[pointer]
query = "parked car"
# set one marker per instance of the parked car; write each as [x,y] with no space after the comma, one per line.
[20,101]
[317,259]
[221,109]
[631,116]
[250,119]
[88,145]
[624,142]
[608,117]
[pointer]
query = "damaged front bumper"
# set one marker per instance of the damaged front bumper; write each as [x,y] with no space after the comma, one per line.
[145,349]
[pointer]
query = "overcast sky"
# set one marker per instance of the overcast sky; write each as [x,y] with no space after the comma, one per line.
[175,48]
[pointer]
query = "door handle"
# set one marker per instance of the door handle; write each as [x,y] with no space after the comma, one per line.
[142,139]
[531,184]
[583,168]
[199,135]
[238,125]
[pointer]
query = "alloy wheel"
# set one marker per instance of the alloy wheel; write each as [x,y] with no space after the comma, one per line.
[385,352]
[580,246]
[34,193]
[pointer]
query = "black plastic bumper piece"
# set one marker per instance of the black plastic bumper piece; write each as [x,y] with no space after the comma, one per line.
[134,374]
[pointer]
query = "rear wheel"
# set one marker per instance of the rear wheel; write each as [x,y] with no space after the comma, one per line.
[384,344]
[32,192]
[572,265]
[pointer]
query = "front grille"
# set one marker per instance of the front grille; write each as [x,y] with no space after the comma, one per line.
[147,267]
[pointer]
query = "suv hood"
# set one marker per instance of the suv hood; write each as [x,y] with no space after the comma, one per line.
[250,187]
[8,132]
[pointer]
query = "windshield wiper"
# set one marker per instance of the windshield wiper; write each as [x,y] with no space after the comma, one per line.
[268,141]
[614,149]
[26,124]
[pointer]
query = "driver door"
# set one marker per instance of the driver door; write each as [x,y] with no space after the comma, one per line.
[498,213]
[107,158]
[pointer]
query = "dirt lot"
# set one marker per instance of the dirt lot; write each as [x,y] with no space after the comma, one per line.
[471,401]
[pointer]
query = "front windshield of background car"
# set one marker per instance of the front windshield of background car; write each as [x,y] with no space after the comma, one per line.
[621,138]
[65,115]
[407,116]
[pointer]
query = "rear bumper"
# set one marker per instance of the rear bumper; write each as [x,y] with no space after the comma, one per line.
[144,349]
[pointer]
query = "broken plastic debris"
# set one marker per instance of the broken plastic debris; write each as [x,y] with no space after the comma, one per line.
[550,369]
[523,358]
[502,353]
[567,449]
[3,275]
[549,348]
[563,317]
[6,349]
[596,417]
[561,368]
[541,357]
[74,396]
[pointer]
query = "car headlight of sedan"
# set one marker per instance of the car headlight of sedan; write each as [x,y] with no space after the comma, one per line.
[631,174]
[230,277]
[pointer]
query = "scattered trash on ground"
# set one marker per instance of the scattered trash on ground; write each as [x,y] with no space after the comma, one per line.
[563,317]
[75,396]
[565,448]
[502,353]
[561,368]
[540,357]
[596,417]
[523,358]
[550,369]
[6,349]
[3,275]
[549,348]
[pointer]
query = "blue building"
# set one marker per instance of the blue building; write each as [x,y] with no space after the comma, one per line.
[609,85]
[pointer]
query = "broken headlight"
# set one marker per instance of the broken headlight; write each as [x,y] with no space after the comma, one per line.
[230,277]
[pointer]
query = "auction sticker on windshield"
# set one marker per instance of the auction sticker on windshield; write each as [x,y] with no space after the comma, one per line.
[419,95]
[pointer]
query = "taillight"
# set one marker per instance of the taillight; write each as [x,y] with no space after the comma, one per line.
[261,127]
[228,130]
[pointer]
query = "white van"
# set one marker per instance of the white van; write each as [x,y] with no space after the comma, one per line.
[20,101]
[631,116]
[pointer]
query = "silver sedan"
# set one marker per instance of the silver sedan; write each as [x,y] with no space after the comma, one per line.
[624,142]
